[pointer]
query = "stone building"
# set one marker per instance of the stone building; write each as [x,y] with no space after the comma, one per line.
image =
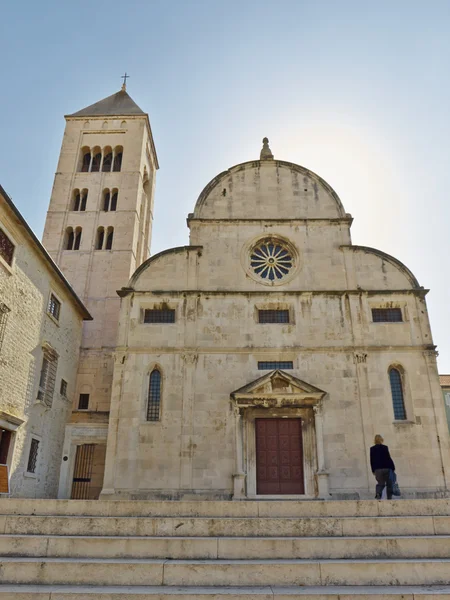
[259,360]
[41,320]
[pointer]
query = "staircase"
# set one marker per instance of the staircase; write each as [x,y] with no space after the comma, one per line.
[277,550]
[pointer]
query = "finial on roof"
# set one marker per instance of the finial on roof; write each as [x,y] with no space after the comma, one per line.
[124,84]
[266,152]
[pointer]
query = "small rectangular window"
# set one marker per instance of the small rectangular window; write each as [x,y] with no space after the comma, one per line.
[32,458]
[54,307]
[83,402]
[271,365]
[273,316]
[387,315]
[4,312]
[63,388]
[156,315]
[6,248]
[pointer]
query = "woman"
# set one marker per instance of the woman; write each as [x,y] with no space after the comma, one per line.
[381,463]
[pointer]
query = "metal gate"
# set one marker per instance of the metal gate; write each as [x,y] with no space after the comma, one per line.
[82,472]
[279,456]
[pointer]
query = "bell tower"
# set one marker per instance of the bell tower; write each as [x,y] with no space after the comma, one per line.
[98,231]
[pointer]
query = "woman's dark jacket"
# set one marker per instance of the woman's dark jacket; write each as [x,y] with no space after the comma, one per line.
[380,458]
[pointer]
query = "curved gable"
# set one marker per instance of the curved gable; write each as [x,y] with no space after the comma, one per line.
[268,190]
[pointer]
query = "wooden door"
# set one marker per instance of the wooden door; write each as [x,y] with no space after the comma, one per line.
[279,456]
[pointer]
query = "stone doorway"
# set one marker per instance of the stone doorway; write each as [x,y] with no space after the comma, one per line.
[279,456]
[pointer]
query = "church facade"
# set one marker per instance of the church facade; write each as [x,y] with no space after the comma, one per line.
[259,360]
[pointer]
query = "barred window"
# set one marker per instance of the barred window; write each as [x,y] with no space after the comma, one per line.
[398,402]
[270,365]
[6,248]
[387,315]
[83,402]
[47,379]
[32,457]
[159,315]
[154,396]
[63,388]
[4,312]
[273,316]
[54,307]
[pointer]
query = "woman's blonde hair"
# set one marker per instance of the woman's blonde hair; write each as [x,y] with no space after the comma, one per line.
[378,439]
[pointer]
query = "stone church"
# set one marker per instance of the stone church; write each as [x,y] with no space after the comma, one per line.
[259,360]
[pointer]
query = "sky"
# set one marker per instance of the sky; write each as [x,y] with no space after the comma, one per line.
[357,92]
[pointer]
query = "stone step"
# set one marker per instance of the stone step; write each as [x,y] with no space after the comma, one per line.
[94,571]
[225,547]
[225,526]
[248,508]
[44,592]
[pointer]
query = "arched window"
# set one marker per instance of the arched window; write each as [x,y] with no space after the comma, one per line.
[97,159]
[77,242]
[76,200]
[109,238]
[99,239]
[398,402]
[118,158]
[69,239]
[86,161]
[114,200]
[84,195]
[106,197]
[107,160]
[154,396]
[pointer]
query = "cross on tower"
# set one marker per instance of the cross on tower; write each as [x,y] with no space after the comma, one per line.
[124,77]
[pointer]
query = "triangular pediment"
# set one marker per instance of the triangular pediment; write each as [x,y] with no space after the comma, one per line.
[278,388]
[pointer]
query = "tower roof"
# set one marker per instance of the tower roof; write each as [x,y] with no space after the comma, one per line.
[117,104]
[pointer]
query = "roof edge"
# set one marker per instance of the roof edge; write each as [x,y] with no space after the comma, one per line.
[46,256]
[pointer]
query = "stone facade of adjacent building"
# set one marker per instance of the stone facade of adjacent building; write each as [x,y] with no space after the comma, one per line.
[41,322]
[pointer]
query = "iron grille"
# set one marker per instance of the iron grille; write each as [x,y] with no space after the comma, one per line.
[273,316]
[397,395]
[63,388]
[32,458]
[54,307]
[47,379]
[6,248]
[387,315]
[82,471]
[83,402]
[271,365]
[156,315]
[154,396]
[4,312]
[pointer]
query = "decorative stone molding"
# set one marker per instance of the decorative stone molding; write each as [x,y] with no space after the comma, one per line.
[359,358]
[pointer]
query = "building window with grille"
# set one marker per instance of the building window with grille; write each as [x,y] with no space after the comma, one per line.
[47,378]
[273,316]
[271,365]
[159,315]
[83,402]
[4,312]
[54,307]
[33,456]
[398,400]
[154,396]
[6,248]
[63,388]
[387,315]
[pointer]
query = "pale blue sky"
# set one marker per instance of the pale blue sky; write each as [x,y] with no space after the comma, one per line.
[356,91]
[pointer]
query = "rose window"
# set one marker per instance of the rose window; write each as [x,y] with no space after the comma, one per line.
[271,260]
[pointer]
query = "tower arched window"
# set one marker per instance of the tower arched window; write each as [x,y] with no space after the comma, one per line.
[76,200]
[118,158]
[109,238]
[86,161]
[84,195]
[398,400]
[106,199]
[154,396]
[77,241]
[96,160]
[100,238]
[107,160]
[114,200]
[69,239]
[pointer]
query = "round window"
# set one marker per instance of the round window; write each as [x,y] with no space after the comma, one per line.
[271,260]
